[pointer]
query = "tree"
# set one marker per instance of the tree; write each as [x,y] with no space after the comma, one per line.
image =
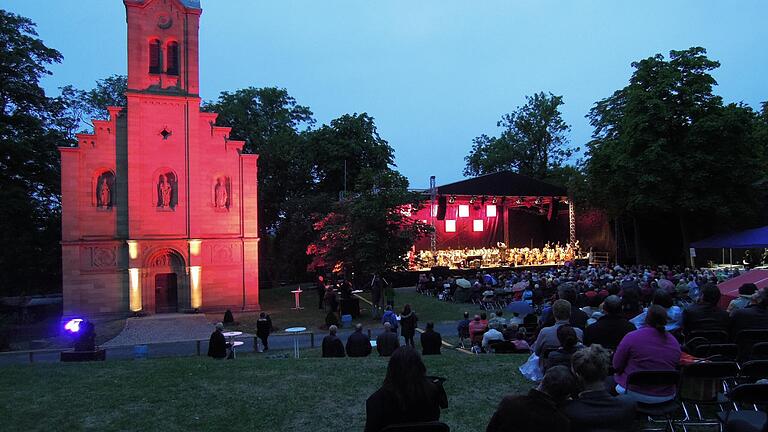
[29,164]
[666,145]
[533,141]
[78,107]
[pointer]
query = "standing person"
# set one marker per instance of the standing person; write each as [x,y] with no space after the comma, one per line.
[431,341]
[408,321]
[463,329]
[332,346]
[377,290]
[358,344]
[263,329]
[217,344]
[391,318]
[320,288]
[406,396]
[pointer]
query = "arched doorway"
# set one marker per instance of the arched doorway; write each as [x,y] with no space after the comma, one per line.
[166,276]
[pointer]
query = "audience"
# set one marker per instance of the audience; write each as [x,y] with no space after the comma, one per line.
[476,330]
[746,291]
[493,334]
[406,396]
[463,329]
[332,346]
[538,410]
[674,313]
[431,341]
[705,314]
[754,316]
[596,409]
[498,319]
[358,344]
[610,328]
[569,344]
[547,339]
[387,342]
[408,321]
[578,318]
[390,317]
[651,347]
[217,344]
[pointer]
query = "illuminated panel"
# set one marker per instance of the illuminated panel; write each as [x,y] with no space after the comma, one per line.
[434,210]
[450,225]
[135,289]
[490,210]
[477,225]
[194,247]
[196,289]
[463,210]
[133,249]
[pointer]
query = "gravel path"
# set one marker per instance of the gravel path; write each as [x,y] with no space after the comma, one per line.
[162,329]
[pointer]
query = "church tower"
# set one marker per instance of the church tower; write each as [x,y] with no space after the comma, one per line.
[158,204]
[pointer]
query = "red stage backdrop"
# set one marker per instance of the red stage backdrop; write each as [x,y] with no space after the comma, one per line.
[158,205]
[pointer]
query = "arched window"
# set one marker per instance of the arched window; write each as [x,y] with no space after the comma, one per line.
[173,59]
[154,57]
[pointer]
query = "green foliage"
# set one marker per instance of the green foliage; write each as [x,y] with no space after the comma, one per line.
[29,162]
[78,107]
[665,144]
[533,141]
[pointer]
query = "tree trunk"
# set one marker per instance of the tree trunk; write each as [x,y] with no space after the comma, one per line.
[636,230]
[684,237]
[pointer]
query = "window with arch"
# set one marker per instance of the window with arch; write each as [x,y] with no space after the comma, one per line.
[172,58]
[155,56]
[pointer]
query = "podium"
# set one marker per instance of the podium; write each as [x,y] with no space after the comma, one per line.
[296,296]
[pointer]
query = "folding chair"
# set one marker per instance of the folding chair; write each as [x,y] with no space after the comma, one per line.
[759,351]
[705,384]
[746,339]
[748,396]
[712,336]
[753,370]
[435,426]
[646,379]
[718,352]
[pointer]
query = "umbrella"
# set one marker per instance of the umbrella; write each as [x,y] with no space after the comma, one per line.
[520,307]
[463,283]
[520,286]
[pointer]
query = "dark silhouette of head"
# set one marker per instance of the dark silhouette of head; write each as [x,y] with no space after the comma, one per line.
[612,305]
[406,376]
[656,318]
[662,298]
[567,337]
[747,289]
[590,364]
[558,383]
[710,294]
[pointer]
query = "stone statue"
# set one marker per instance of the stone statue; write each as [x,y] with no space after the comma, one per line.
[105,196]
[165,192]
[221,193]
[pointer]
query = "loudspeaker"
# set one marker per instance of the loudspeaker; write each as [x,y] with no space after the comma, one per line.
[442,204]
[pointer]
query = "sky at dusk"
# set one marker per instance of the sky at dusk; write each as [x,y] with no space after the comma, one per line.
[433,73]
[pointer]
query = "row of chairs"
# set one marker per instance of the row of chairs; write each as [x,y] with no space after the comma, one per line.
[730,389]
[716,344]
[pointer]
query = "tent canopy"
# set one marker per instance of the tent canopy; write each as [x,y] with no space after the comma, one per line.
[748,239]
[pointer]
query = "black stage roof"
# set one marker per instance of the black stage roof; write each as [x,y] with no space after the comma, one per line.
[505,183]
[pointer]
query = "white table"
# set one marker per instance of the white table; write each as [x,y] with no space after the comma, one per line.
[373,343]
[296,295]
[231,335]
[295,331]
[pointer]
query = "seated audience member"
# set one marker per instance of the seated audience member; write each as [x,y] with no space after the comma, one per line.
[463,328]
[674,314]
[754,316]
[493,334]
[406,396]
[746,291]
[217,344]
[358,344]
[484,319]
[508,332]
[569,344]
[651,347]
[387,342]
[610,328]
[705,314]
[476,330]
[332,346]
[547,339]
[498,319]
[578,318]
[596,409]
[431,341]
[538,410]
[521,345]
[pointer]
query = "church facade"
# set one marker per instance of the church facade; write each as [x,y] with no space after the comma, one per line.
[159,206]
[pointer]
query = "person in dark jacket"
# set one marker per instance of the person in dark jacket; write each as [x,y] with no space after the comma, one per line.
[408,321]
[263,329]
[610,328]
[595,409]
[578,318]
[320,288]
[463,329]
[387,342]
[538,410]
[217,344]
[358,344]
[706,314]
[431,341]
[569,344]
[754,316]
[406,396]
[332,346]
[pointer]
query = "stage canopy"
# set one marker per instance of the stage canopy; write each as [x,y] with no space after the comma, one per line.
[751,238]
[502,184]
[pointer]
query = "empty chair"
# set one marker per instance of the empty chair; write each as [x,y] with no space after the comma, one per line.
[712,336]
[434,426]
[705,384]
[746,339]
[759,351]
[748,397]
[753,370]
[642,380]
[720,352]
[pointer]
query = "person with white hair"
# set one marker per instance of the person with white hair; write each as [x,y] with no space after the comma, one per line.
[332,345]
[217,344]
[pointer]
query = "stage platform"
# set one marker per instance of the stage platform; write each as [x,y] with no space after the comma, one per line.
[411,277]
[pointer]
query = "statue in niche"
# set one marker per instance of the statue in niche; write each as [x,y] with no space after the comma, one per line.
[165,192]
[221,195]
[105,193]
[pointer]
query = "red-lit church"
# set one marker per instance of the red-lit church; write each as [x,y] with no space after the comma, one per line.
[158,205]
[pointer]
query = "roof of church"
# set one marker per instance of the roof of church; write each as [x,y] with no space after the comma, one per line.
[505,183]
[191,4]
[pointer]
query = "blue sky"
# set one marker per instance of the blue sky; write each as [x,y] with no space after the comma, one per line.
[434,73]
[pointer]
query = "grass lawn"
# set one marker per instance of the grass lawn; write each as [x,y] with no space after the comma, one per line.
[254,392]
